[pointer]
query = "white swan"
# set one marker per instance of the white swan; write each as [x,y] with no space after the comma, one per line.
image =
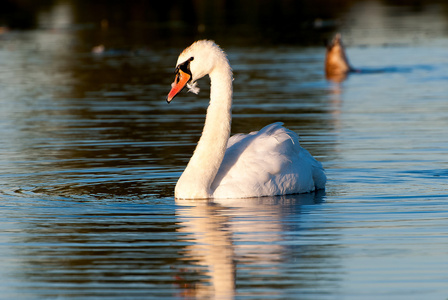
[264,163]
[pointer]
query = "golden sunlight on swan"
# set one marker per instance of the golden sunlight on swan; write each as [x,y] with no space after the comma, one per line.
[264,163]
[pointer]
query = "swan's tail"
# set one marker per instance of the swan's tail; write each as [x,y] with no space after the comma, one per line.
[319,177]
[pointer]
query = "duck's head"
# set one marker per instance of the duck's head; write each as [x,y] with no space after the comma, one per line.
[194,63]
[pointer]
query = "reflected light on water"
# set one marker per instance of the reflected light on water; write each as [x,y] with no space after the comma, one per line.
[371,23]
[58,16]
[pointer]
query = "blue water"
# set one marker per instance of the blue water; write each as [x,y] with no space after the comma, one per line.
[91,152]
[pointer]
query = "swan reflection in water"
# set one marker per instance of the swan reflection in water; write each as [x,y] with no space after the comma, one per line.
[225,235]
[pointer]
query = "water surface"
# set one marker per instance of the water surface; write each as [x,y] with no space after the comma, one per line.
[91,152]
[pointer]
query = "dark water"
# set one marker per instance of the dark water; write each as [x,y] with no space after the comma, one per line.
[91,152]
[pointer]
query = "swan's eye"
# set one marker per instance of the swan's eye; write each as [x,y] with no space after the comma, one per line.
[185,66]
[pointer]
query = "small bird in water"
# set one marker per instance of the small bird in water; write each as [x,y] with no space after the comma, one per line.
[336,63]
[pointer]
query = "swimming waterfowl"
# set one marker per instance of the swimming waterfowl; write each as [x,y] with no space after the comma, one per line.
[336,62]
[264,163]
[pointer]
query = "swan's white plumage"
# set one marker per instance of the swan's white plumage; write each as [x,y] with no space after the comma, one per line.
[268,162]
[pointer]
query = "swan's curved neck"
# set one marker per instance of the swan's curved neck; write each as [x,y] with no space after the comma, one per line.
[197,178]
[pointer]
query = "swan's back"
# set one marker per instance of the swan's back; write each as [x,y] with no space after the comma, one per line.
[267,162]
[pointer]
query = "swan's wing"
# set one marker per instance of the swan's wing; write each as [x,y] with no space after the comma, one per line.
[267,162]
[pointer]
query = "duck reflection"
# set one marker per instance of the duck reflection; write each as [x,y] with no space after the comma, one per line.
[248,235]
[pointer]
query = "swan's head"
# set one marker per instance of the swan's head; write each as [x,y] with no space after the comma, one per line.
[194,63]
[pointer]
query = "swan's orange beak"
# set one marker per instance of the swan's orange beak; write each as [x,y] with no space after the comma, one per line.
[179,83]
